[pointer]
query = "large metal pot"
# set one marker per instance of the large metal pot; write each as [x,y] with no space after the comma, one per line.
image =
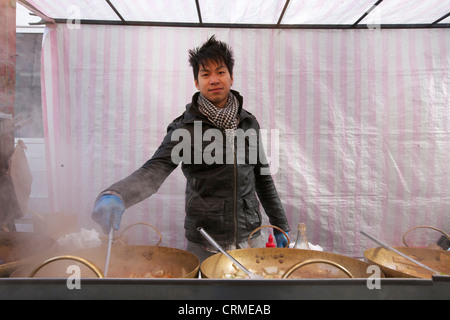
[288,263]
[126,261]
[395,266]
[17,248]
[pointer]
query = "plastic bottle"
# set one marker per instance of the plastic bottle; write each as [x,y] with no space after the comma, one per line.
[270,243]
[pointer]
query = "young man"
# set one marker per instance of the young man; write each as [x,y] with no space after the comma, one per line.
[224,172]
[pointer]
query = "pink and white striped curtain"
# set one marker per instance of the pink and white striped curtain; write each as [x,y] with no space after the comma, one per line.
[358,123]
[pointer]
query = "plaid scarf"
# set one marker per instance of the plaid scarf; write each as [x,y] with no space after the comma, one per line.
[224,118]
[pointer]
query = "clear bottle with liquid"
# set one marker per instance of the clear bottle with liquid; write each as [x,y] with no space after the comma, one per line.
[302,240]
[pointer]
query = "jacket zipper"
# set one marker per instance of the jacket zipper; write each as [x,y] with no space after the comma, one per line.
[235,191]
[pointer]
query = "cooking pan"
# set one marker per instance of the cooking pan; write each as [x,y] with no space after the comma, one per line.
[17,248]
[126,261]
[395,266]
[285,263]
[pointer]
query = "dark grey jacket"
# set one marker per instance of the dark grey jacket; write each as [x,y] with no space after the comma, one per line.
[222,182]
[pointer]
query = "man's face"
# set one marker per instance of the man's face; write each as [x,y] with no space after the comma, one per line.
[214,82]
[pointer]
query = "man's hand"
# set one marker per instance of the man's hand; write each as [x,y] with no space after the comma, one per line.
[108,211]
[281,240]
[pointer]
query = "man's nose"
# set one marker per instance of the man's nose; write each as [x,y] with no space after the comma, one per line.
[213,79]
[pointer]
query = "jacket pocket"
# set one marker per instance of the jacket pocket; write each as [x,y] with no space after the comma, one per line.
[206,214]
[252,213]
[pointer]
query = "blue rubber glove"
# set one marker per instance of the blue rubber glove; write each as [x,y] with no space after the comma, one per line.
[281,240]
[108,211]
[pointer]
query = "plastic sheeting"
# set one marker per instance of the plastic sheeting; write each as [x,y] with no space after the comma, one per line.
[358,123]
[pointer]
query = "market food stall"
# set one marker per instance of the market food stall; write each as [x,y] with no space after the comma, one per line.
[354,96]
[161,273]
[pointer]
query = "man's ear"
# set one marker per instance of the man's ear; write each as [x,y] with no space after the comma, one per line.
[196,84]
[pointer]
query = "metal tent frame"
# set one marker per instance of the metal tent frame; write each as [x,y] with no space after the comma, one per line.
[201,24]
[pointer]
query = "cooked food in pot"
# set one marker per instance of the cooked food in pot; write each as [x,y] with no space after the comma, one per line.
[396,266]
[441,264]
[274,272]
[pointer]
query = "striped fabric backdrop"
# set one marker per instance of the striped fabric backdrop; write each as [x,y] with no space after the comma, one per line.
[358,123]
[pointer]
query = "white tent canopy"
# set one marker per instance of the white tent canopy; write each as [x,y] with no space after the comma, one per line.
[249,13]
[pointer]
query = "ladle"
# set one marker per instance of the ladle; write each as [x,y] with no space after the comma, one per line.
[108,251]
[218,247]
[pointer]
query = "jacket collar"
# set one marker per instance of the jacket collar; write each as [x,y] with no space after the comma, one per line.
[193,108]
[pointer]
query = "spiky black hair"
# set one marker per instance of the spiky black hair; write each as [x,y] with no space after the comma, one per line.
[211,50]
